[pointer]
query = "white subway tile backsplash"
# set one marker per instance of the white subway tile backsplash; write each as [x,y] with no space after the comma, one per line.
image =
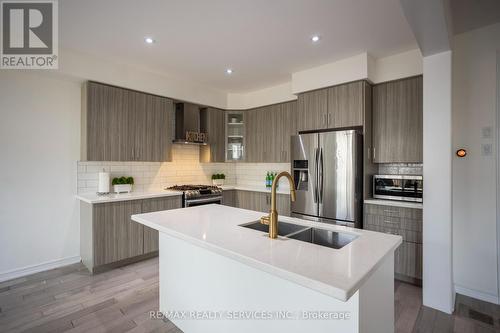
[400,169]
[184,169]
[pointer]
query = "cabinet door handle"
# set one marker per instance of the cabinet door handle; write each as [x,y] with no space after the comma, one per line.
[374,153]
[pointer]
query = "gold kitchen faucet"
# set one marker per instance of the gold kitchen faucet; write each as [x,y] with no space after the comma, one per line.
[272,219]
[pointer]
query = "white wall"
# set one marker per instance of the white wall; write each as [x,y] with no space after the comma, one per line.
[397,66]
[474,177]
[272,95]
[345,70]
[40,144]
[111,71]
[358,67]
[438,289]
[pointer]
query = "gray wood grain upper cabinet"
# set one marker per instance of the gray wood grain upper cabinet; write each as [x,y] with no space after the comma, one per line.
[107,124]
[346,105]
[155,205]
[116,236]
[397,121]
[126,125]
[286,126]
[213,123]
[268,132]
[160,124]
[254,130]
[312,110]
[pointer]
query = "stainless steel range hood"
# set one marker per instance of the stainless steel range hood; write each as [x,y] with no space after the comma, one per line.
[187,125]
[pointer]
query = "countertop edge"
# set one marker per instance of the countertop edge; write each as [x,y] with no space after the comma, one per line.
[252,189]
[403,204]
[320,287]
[323,288]
[126,197]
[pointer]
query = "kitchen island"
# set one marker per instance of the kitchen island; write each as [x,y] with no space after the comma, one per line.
[218,276]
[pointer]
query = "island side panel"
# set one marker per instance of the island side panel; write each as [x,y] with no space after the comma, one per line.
[376,299]
[196,279]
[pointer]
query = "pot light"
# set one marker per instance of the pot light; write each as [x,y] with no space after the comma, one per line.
[149,40]
[229,71]
[315,38]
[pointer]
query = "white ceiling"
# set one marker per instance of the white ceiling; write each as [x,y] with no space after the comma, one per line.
[263,41]
[472,14]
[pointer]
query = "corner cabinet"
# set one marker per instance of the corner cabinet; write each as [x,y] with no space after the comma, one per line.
[398,121]
[213,123]
[269,129]
[109,238]
[125,125]
[235,142]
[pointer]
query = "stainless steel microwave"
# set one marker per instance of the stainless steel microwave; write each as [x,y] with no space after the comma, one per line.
[398,187]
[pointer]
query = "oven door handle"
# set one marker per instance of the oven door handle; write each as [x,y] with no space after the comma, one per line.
[212,199]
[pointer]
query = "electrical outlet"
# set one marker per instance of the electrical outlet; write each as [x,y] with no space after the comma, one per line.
[486,149]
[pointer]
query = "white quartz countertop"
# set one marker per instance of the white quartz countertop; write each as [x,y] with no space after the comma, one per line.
[335,272]
[94,198]
[394,203]
[262,189]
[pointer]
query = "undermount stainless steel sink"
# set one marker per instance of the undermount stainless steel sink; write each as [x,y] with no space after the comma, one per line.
[318,236]
[283,227]
[323,237]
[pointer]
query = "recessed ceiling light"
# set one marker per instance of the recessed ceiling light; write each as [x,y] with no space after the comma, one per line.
[229,71]
[149,40]
[315,38]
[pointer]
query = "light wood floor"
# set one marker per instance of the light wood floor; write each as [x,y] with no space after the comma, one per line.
[69,299]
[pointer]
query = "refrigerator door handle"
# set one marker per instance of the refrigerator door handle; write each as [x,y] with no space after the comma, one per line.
[315,184]
[320,176]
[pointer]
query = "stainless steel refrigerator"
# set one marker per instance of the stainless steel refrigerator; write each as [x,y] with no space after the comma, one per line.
[328,172]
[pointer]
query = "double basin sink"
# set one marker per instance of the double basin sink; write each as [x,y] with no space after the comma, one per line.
[318,236]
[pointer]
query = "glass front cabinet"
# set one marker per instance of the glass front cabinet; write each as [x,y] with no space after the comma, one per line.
[235,136]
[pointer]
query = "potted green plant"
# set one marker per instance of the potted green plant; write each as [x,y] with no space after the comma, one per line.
[122,184]
[218,179]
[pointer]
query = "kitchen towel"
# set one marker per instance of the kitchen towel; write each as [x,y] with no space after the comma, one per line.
[103,186]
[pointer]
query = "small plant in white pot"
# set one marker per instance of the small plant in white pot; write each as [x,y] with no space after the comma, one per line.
[122,184]
[218,179]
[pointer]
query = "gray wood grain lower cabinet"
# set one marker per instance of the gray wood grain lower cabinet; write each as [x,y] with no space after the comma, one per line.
[261,202]
[398,121]
[126,125]
[406,222]
[109,238]
[156,205]
[116,237]
[229,198]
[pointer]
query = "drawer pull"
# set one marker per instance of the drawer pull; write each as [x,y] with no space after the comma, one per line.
[390,211]
[392,222]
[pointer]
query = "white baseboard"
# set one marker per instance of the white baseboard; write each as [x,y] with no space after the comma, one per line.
[477,294]
[16,273]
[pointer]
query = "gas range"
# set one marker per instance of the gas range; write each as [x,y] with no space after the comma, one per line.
[197,195]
